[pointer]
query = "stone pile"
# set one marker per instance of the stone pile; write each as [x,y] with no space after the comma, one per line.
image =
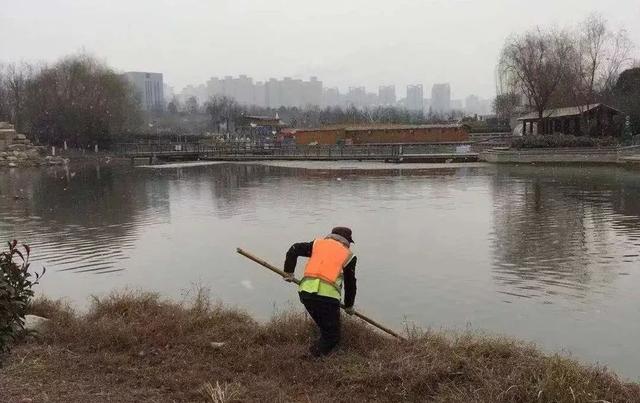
[16,150]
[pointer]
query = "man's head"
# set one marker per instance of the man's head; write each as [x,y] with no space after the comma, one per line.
[343,232]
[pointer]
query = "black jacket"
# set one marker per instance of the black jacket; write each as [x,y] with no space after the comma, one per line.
[305,249]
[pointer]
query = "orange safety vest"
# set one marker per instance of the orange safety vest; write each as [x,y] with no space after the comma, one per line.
[328,258]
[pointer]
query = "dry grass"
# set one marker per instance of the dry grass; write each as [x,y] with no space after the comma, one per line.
[139,348]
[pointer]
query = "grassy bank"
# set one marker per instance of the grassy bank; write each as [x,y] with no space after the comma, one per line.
[140,348]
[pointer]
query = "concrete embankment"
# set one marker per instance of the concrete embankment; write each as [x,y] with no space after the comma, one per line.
[633,162]
[613,155]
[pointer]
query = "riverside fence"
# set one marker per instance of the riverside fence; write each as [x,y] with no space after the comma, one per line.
[432,152]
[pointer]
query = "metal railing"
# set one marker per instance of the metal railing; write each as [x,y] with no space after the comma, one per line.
[372,151]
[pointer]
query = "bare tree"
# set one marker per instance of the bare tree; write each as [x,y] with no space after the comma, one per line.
[535,64]
[223,109]
[601,55]
[506,104]
[4,105]
[15,84]
[191,105]
[174,105]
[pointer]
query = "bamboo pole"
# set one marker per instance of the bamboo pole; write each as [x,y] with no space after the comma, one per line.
[281,273]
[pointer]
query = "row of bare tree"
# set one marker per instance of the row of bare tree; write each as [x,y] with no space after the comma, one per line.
[223,111]
[78,100]
[548,68]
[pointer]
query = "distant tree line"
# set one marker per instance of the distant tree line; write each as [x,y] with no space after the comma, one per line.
[549,68]
[78,100]
[224,113]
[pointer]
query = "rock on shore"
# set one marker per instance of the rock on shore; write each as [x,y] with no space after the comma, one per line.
[34,323]
[16,150]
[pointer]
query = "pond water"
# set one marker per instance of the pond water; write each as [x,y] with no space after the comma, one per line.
[546,254]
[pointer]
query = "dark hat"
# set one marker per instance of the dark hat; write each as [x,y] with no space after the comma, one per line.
[343,232]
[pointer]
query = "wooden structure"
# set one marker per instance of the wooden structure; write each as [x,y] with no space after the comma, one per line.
[594,119]
[392,134]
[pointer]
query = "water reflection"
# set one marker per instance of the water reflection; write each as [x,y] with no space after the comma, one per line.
[80,220]
[564,230]
[540,253]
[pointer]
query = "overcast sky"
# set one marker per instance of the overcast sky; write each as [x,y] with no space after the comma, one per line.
[343,42]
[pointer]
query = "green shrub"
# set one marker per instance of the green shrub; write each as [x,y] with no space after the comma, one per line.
[15,292]
[561,141]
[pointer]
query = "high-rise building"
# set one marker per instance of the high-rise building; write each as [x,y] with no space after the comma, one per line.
[149,89]
[243,90]
[415,97]
[290,92]
[356,96]
[475,105]
[259,94]
[441,98]
[200,92]
[293,92]
[371,99]
[312,92]
[167,92]
[331,97]
[472,105]
[387,95]
[457,105]
[272,96]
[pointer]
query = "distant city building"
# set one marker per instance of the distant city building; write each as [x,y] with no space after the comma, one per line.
[387,95]
[260,94]
[475,105]
[168,93]
[332,97]
[371,99]
[149,89]
[293,92]
[415,98]
[486,107]
[441,98]
[356,96]
[457,105]
[472,105]
[199,92]
[273,93]
[312,92]
[427,104]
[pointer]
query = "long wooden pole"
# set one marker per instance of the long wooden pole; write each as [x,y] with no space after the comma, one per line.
[281,273]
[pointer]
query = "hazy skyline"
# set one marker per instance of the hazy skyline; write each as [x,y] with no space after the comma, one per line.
[354,43]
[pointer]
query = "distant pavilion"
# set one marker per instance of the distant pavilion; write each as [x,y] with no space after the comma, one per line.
[598,117]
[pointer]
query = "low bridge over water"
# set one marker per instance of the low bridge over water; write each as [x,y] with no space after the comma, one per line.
[439,152]
[431,152]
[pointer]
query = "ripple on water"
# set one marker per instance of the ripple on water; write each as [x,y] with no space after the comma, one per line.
[74,248]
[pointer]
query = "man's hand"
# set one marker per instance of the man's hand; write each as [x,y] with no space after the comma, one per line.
[349,310]
[289,278]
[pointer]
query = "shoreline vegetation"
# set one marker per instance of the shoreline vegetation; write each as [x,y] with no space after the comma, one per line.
[138,347]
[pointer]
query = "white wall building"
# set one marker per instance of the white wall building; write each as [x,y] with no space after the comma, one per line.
[149,89]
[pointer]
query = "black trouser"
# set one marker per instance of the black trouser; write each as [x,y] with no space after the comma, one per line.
[325,312]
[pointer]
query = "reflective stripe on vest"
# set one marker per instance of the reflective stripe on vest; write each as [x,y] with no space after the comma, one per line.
[328,258]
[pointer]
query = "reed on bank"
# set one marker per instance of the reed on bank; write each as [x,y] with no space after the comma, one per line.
[138,347]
